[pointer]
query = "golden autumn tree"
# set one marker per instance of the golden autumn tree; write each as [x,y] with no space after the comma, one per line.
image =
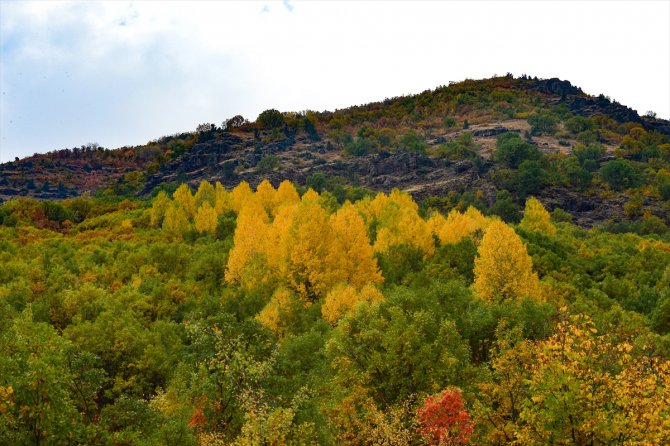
[396,220]
[249,239]
[457,225]
[205,193]
[536,218]
[206,219]
[184,199]
[266,196]
[351,254]
[286,194]
[221,199]
[240,195]
[159,206]
[175,221]
[343,298]
[503,268]
[308,243]
[590,388]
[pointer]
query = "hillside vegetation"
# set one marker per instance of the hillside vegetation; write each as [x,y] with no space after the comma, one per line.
[487,143]
[287,316]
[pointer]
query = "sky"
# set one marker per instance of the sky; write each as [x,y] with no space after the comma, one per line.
[127,72]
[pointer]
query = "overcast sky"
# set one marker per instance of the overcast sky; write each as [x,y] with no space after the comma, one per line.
[123,73]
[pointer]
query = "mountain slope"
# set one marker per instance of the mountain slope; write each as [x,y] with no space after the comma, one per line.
[433,144]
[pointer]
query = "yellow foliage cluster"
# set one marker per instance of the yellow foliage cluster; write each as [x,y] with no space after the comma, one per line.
[202,210]
[396,220]
[299,244]
[503,268]
[458,225]
[536,218]
[343,298]
[607,394]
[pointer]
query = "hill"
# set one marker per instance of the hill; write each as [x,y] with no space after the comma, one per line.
[439,145]
[148,311]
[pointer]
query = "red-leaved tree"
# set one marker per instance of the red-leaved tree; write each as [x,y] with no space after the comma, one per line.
[443,419]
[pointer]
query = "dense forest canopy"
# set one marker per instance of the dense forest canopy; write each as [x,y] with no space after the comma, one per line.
[283,315]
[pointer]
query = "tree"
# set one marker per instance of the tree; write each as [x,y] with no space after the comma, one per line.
[503,268]
[234,122]
[266,196]
[443,419]
[542,123]
[206,219]
[511,150]
[398,222]
[204,194]
[343,298]
[221,199]
[536,218]
[240,195]
[270,119]
[249,239]
[351,254]
[158,208]
[588,387]
[286,194]
[457,225]
[184,198]
[175,221]
[619,174]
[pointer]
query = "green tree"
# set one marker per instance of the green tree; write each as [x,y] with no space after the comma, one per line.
[511,150]
[619,174]
[270,119]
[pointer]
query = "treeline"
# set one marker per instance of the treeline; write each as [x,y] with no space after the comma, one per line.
[284,316]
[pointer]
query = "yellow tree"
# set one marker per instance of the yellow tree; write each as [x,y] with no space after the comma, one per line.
[286,194]
[205,193]
[221,199]
[240,195]
[249,239]
[309,242]
[206,219]
[503,268]
[266,196]
[175,221]
[184,198]
[158,207]
[536,218]
[457,225]
[343,298]
[400,225]
[351,256]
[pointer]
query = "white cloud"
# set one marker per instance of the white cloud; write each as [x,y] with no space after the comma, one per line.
[125,72]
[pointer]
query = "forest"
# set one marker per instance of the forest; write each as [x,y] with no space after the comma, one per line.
[284,315]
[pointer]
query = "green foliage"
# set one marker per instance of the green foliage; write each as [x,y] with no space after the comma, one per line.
[620,174]
[511,150]
[269,163]
[412,142]
[462,147]
[270,119]
[542,123]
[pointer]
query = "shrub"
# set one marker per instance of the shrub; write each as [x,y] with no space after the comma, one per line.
[411,142]
[511,150]
[270,119]
[619,174]
[542,123]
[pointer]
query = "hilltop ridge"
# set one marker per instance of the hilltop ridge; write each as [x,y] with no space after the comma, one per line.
[432,144]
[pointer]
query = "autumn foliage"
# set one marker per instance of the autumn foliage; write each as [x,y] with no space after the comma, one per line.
[275,314]
[443,419]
